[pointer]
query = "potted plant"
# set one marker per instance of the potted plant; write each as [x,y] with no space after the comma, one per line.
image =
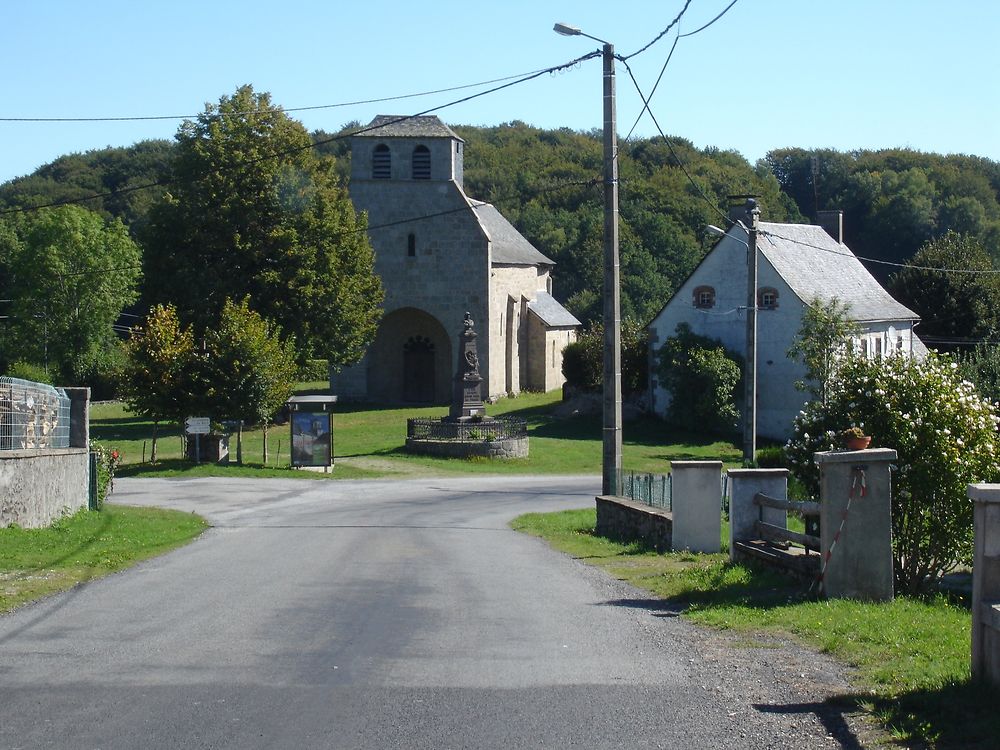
[855,439]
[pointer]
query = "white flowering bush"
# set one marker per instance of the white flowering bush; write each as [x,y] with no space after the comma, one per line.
[945,436]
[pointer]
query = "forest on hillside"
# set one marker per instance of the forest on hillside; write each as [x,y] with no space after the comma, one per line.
[548,184]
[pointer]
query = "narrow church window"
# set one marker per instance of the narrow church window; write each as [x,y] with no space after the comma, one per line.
[381,163]
[421,163]
[411,246]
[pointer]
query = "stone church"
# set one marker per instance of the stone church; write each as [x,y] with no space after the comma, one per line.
[441,254]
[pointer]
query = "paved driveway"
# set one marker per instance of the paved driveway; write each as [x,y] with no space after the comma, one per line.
[385,614]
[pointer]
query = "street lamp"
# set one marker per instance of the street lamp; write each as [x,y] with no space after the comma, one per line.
[612,434]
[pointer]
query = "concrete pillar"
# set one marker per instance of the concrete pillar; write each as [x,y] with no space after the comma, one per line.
[696,501]
[986,582]
[743,513]
[860,565]
[79,417]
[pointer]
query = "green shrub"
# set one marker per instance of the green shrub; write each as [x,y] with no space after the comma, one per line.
[583,360]
[314,369]
[30,371]
[702,377]
[771,457]
[945,436]
[108,460]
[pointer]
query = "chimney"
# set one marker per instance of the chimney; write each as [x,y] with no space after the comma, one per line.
[741,211]
[833,223]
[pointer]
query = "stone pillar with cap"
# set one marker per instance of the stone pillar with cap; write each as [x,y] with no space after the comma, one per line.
[856,523]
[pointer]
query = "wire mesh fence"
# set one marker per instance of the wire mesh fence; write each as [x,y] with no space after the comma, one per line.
[652,489]
[656,490]
[32,415]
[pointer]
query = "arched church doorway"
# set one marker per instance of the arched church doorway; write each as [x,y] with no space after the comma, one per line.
[410,359]
[418,370]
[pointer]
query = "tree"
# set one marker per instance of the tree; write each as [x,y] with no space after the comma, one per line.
[821,342]
[254,212]
[250,370]
[583,360]
[945,436]
[955,306]
[68,275]
[159,368]
[702,377]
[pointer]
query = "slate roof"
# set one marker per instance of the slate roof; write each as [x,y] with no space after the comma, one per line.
[509,246]
[404,126]
[551,313]
[815,265]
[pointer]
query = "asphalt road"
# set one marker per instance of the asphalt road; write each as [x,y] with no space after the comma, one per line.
[388,614]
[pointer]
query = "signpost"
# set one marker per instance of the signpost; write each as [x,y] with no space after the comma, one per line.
[197,426]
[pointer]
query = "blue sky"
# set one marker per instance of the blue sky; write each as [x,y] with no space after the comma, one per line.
[771,73]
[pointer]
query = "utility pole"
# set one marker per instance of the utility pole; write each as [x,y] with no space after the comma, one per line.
[612,463]
[750,367]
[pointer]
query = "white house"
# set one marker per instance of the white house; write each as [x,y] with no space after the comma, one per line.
[797,263]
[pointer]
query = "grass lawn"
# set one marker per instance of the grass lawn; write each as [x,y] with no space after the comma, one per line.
[368,442]
[84,546]
[911,656]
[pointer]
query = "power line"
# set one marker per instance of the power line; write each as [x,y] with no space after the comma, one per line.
[661,34]
[299,149]
[670,146]
[677,39]
[142,118]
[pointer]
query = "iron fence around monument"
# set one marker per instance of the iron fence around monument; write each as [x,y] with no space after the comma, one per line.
[490,429]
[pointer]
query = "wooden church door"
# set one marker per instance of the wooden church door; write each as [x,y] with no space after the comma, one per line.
[418,370]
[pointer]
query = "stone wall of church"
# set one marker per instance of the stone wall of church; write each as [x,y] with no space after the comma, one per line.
[545,354]
[446,158]
[510,289]
[447,273]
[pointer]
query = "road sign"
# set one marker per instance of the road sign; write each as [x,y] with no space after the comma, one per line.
[197,425]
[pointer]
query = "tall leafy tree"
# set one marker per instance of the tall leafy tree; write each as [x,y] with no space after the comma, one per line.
[250,371]
[68,274]
[159,368]
[952,284]
[254,212]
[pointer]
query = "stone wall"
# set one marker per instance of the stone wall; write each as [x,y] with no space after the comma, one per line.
[627,521]
[39,486]
[500,449]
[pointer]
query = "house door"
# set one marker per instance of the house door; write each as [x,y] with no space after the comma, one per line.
[418,370]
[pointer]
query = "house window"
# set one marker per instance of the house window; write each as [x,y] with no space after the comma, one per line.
[767,298]
[878,347]
[381,163]
[421,163]
[704,297]
[411,246]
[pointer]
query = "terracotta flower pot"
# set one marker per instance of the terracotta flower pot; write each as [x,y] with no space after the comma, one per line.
[858,443]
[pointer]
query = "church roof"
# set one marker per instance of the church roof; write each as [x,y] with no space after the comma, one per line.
[815,265]
[508,245]
[551,313]
[405,126]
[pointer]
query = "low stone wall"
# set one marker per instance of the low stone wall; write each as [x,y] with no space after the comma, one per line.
[627,521]
[39,486]
[500,449]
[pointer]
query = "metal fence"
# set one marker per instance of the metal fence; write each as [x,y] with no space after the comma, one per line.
[654,490]
[32,415]
[489,429]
